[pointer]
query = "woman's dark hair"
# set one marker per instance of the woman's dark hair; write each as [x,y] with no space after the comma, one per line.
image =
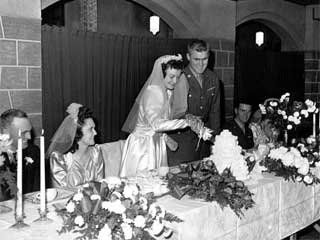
[173,64]
[84,113]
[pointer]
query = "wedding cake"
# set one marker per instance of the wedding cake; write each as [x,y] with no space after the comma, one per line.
[226,153]
[150,182]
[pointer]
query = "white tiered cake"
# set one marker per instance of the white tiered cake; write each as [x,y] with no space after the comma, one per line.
[226,152]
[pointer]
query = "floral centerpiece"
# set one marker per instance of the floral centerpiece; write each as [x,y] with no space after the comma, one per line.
[203,180]
[300,163]
[115,210]
[7,167]
[287,115]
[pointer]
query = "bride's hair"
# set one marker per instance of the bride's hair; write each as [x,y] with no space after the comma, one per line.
[84,113]
[172,64]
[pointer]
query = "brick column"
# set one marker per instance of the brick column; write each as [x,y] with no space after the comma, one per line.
[20,67]
[224,67]
[312,75]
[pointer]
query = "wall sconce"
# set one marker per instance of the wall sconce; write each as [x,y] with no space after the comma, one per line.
[154,24]
[259,38]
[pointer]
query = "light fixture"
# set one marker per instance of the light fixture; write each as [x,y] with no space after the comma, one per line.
[259,38]
[154,24]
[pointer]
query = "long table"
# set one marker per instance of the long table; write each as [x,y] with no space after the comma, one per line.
[282,208]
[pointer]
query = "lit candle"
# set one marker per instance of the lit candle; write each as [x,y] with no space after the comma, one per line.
[314,125]
[42,176]
[19,210]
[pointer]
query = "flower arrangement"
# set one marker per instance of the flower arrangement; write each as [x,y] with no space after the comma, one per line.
[202,180]
[286,114]
[299,163]
[7,167]
[115,210]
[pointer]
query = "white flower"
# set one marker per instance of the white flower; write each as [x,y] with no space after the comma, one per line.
[296,114]
[305,113]
[78,196]
[288,159]
[95,197]
[139,221]
[106,205]
[144,203]
[285,117]
[130,190]
[2,160]
[73,110]
[304,169]
[307,179]
[279,112]
[117,207]
[70,207]
[156,227]
[317,164]
[291,118]
[311,140]
[112,181]
[285,97]
[79,220]
[262,109]
[278,153]
[4,137]
[127,231]
[29,160]
[105,233]
[289,127]
[273,103]
[299,179]
[153,210]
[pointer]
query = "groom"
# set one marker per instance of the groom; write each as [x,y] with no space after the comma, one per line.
[12,121]
[199,94]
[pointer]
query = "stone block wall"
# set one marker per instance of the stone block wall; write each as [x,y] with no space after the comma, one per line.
[224,67]
[20,67]
[312,75]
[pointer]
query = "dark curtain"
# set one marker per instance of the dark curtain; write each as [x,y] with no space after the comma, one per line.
[265,74]
[103,72]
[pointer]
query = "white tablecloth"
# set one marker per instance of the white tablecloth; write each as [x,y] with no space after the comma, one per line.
[282,208]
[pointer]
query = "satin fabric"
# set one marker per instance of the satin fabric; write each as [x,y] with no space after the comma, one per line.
[67,172]
[145,148]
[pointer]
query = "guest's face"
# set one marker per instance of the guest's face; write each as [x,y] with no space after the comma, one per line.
[243,112]
[171,78]
[89,132]
[198,61]
[24,125]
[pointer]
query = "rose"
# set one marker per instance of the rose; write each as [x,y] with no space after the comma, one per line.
[78,196]
[307,179]
[70,207]
[139,221]
[2,160]
[288,159]
[105,233]
[127,230]
[156,227]
[130,190]
[79,220]
[112,181]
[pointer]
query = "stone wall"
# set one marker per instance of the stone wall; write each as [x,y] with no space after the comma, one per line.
[312,75]
[20,66]
[224,67]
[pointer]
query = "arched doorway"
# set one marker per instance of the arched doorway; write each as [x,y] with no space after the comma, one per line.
[268,70]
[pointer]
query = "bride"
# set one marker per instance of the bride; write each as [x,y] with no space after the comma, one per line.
[150,117]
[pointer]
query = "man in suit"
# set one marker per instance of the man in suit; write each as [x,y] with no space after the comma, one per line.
[198,94]
[13,121]
[239,125]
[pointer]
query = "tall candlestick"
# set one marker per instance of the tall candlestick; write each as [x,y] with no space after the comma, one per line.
[42,176]
[19,208]
[314,125]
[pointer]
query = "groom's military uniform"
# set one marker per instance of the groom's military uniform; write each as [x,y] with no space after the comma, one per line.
[202,101]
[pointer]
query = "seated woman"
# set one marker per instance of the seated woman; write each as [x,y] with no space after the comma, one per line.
[74,157]
[150,117]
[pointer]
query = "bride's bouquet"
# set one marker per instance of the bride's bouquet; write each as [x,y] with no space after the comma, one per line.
[115,210]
